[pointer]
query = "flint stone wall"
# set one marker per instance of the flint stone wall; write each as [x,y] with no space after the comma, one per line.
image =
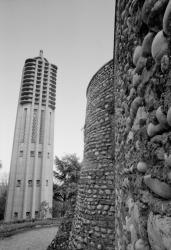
[142,129]
[93,225]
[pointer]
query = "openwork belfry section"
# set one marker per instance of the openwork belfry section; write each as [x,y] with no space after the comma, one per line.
[93,225]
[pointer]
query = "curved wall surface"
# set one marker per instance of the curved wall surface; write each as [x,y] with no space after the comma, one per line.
[93,225]
[142,125]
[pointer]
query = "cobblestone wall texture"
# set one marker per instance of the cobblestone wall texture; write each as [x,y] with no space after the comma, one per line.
[142,77]
[93,225]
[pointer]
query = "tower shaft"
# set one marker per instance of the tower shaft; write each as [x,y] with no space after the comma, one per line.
[30,181]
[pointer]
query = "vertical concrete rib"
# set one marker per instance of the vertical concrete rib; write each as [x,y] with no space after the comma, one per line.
[45,143]
[39,107]
[28,146]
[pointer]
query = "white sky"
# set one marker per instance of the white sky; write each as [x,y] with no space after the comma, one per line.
[77,36]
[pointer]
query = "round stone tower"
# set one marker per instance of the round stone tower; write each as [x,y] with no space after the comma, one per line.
[93,224]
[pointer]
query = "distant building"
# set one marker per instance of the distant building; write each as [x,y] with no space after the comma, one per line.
[31,172]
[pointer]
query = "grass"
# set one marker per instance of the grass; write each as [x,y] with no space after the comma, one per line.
[9,229]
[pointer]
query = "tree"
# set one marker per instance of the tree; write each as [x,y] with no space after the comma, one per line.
[44,209]
[67,169]
[67,174]
[3,197]
[3,194]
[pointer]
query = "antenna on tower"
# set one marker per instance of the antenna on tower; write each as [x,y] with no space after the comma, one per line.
[41,53]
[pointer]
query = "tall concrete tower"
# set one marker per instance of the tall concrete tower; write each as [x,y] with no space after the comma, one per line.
[30,181]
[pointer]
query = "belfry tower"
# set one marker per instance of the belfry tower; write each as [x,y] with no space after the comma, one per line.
[31,171]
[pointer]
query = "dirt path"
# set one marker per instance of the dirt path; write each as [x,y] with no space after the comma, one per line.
[36,239]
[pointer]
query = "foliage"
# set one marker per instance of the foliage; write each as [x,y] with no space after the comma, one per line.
[66,174]
[44,209]
[57,209]
[61,240]
[67,169]
[3,197]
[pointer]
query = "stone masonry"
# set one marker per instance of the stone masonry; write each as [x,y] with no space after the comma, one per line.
[142,77]
[93,225]
[124,197]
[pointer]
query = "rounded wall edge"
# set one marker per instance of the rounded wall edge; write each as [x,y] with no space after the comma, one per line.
[101,69]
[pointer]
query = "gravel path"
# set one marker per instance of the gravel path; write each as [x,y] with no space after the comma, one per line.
[36,239]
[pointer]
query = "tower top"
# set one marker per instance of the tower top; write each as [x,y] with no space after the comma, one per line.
[41,53]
